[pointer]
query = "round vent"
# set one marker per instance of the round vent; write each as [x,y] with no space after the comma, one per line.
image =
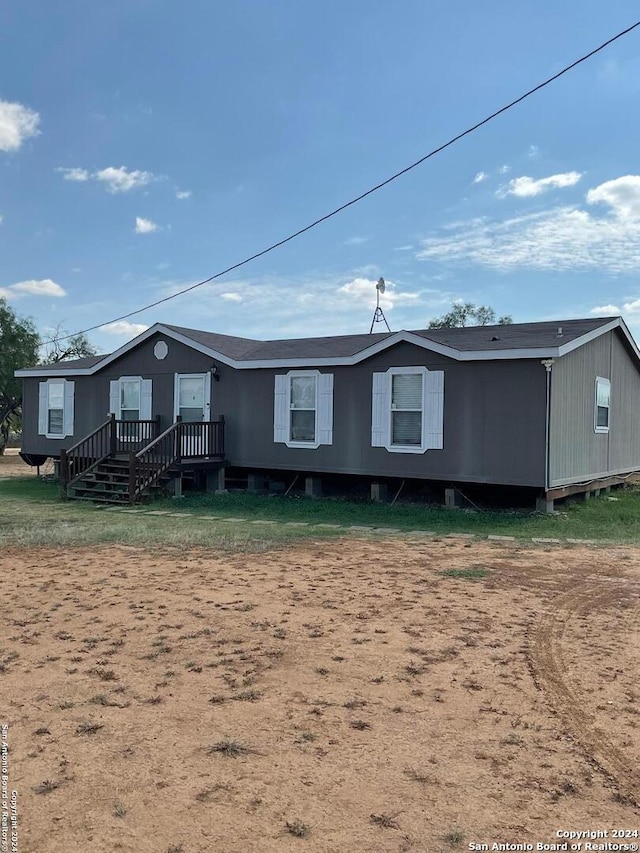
[161,350]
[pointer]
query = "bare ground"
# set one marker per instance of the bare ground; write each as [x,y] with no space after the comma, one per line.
[342,696]
[11,465]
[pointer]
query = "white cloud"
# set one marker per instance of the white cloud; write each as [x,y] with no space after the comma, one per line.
[356,241]
[503,170]
[43,287]
[605,310]
[183,193]
[533,151]
[631,307]
[621,194]
[123,327]
[74,174]
[480,177]
[119,180]
[363,290]
[116,179]
[17,123]
[560,238]
[326,304]
[526,187]
[145,226]
[231,297]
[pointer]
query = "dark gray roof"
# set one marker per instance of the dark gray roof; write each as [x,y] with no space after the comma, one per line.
[514,336]
[76,363]
[226,344]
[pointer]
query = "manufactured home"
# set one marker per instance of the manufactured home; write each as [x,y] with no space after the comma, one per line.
[552,407]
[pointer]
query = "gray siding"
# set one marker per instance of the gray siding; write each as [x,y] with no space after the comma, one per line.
[92,392]
[577,452]
[494,415]
[494,422]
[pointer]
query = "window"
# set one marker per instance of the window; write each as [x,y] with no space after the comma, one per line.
[303,409]
[407,410]
[602,405]
[55,408]
[129,399]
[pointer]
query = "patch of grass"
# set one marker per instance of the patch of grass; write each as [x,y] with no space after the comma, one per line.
[46,787]
[471,573]
[385,821]
[247,696]
[297,828]
[33,514]
[89,728]
[229,748]
[454,837]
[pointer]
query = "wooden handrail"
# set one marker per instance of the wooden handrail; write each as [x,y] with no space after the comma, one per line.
[91,434]
[158,438]
[87,453]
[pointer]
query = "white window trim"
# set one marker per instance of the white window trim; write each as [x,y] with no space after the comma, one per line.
[305,445]
[601,429]
[63,382]
[406,448]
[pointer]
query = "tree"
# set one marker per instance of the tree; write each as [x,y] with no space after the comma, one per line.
[74,346]
[467,314]
[19,342]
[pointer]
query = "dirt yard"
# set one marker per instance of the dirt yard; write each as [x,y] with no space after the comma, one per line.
[344,696]
[12,466]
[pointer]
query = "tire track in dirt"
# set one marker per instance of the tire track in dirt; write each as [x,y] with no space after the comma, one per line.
[546,663]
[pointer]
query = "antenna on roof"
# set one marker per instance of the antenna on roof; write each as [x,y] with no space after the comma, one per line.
[378,314]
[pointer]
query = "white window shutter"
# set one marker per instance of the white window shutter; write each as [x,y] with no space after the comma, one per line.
[43,406]
[114,397]
[145,399]
[280,409]
[69,393]
[325,408]
[380,408]
[434,410]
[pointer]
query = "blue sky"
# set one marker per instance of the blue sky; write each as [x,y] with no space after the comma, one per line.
[146,145]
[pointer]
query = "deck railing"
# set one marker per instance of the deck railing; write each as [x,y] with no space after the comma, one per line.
[87,453]
[182,440]
[111,437]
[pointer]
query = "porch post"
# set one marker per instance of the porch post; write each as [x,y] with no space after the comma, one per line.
[112,434]
[64,468]
[132,476]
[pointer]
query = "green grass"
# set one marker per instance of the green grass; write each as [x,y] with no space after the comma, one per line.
[472,573]
[31,513]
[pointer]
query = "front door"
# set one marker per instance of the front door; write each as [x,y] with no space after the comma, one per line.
[193,404]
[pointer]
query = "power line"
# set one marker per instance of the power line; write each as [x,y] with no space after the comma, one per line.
[368,192]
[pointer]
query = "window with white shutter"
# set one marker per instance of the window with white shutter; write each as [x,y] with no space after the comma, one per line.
[303,409]
[407,411]
[55,408]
